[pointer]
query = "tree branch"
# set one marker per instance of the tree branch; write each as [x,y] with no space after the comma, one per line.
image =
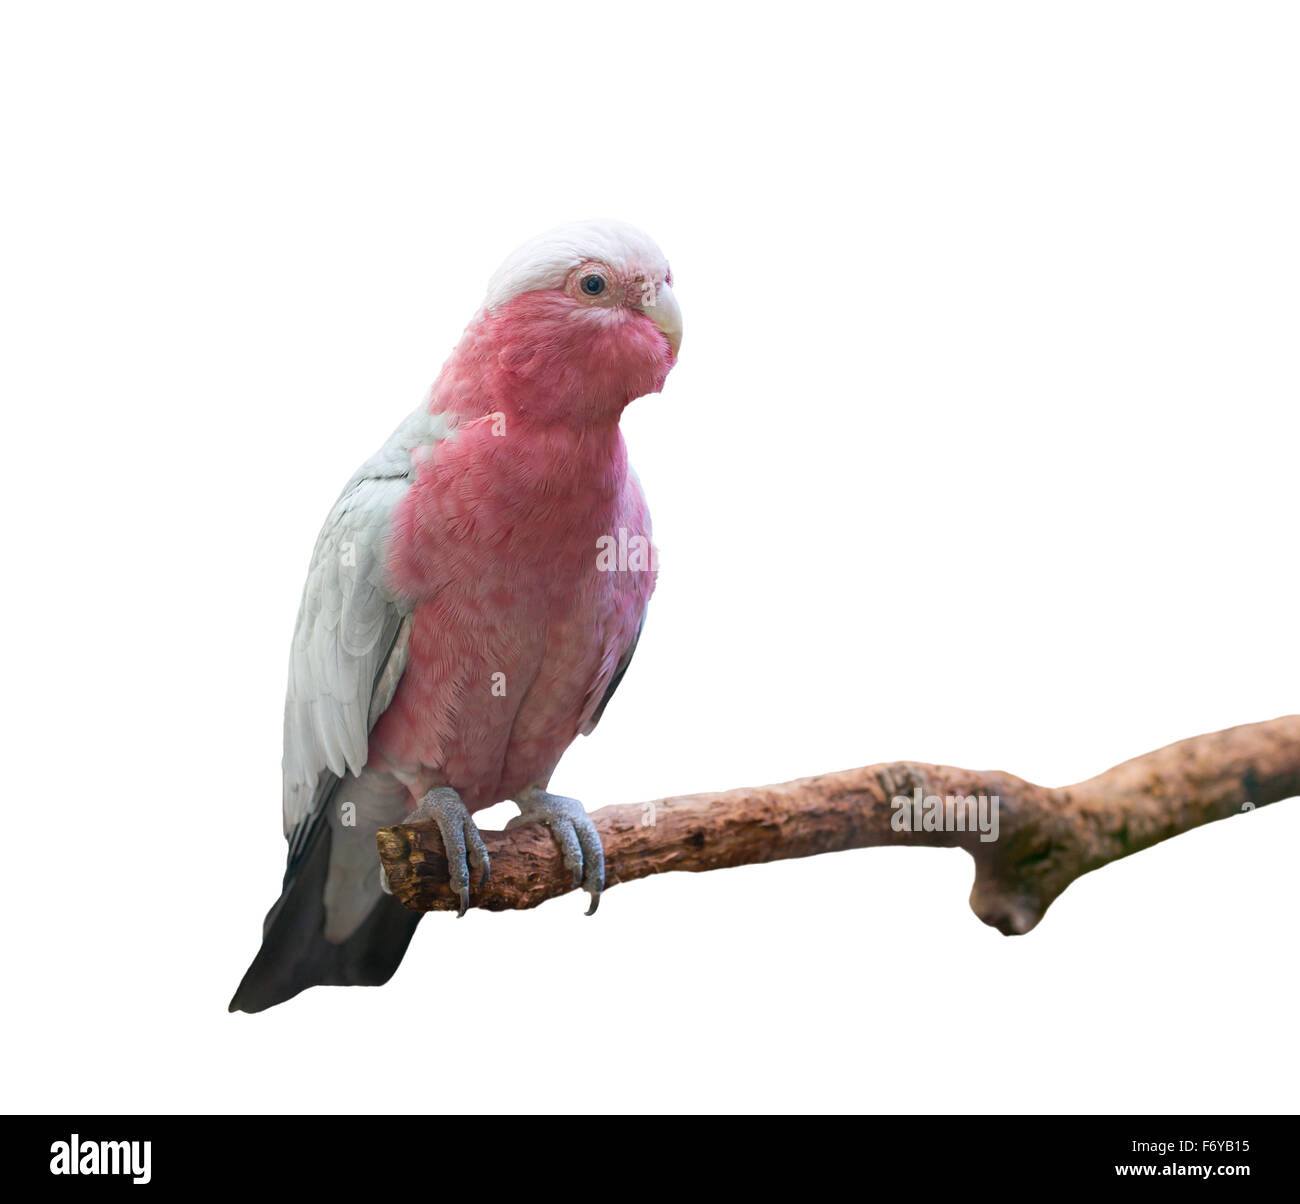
[1046,837]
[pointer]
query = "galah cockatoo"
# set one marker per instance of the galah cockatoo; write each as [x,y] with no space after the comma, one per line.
[463,619]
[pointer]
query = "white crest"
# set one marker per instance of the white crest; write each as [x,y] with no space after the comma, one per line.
[547,260]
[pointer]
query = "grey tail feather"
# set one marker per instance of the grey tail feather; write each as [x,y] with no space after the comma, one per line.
[295,954]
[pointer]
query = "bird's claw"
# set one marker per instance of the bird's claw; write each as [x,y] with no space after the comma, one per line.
[579,842]
[461,840]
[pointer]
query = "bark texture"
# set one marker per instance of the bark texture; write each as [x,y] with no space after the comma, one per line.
[1047,837]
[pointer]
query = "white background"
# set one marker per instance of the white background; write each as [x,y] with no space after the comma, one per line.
[981,450]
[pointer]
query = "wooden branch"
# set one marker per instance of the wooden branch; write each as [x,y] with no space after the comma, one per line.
[1046,837]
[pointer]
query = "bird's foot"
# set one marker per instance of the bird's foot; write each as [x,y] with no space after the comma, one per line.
[580,846]
[461,839]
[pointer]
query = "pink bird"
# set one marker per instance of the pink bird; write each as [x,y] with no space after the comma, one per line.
[471,605]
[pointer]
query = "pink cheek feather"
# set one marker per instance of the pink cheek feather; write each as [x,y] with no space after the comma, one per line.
[553,356]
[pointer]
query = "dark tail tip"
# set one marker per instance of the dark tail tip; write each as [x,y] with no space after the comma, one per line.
[295,954]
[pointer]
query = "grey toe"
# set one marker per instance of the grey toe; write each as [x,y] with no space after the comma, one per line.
[578,840]
[461,840]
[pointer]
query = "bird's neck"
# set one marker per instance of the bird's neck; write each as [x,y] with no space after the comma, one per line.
[528,421]
[535,360]
[517,456]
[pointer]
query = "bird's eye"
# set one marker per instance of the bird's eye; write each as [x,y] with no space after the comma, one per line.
[592,285]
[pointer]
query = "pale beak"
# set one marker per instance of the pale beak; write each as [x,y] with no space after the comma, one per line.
[661,309]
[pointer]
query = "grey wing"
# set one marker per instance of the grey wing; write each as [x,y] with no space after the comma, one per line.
[350,643]
[348,652]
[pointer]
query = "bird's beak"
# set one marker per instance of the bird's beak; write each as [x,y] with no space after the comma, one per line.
[661,308]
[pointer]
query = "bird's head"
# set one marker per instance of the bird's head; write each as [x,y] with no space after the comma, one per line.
[582,320]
